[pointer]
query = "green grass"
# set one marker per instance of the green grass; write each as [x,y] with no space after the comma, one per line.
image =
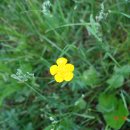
[31,40]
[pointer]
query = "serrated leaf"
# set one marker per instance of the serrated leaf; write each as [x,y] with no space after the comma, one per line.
[115,81]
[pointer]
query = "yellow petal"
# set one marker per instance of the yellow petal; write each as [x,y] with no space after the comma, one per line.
[61,61]
[58,78]
[53,69]
[69,67]
[61,69]
[68,76]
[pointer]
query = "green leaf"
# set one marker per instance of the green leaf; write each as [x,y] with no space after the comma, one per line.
[50,127]
[126,15]
[107,103]
[120,112]
[112,107]
[94,28]
[80,104]
[115,81]
[26,67]
[4,68]
[124,70]
[91,77]
[7,90]
[65,124]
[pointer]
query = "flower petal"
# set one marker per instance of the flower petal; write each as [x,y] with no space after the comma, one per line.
[69,67]
[61,61]
[58,78]
[68,76]
[61,69]
[53,69]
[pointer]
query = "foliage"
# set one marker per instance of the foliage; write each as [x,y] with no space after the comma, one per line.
[94,36]
[112,108]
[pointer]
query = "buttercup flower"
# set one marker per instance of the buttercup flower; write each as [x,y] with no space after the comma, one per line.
[63,71]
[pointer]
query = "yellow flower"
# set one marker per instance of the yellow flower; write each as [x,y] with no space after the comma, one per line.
[63,71]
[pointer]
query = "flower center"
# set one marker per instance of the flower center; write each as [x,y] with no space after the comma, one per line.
[62,69]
